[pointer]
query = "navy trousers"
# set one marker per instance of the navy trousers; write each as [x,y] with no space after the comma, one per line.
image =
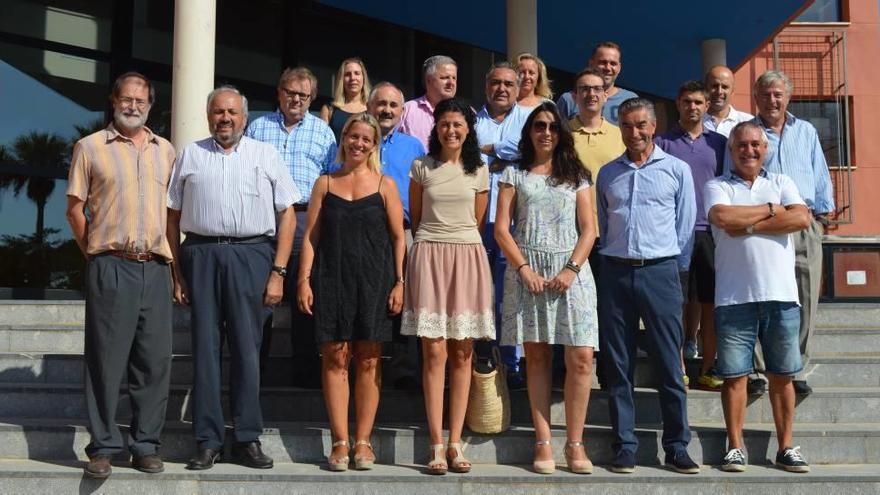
[652,293]
[226,285]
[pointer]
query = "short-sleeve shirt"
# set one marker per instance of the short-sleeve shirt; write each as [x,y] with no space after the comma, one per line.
[756,267]
[448,196]
[235,194]
[595,149]
[124,190]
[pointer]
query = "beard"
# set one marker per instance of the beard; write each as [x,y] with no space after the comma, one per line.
[228,139]
[130,122]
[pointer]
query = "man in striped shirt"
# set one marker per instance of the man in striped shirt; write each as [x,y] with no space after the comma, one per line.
[120,174]
[230,195]
[308,148]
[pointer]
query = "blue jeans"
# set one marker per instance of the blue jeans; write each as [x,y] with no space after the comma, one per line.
[739,326]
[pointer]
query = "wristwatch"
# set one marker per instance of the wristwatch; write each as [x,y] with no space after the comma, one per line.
[772,211]
[280,270]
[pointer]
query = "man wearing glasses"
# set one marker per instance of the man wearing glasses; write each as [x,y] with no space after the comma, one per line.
[308,148]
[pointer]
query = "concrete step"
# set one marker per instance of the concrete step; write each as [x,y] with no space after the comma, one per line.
[25,477]
[848,315]
[852,341]
[409,443]
[825,405]
[828,370]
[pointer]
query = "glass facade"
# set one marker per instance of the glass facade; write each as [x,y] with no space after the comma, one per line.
[58,59]
[823,11]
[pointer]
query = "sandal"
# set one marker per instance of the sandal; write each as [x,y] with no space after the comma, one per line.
[338,463]
[457,464]
[437,464]
[364,463]
[544,467]
[584,466]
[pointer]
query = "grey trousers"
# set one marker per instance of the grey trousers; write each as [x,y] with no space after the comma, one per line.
[808,271]
[128,328]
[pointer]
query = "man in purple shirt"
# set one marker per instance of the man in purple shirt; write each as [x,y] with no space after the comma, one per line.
[440,75]
[703,151]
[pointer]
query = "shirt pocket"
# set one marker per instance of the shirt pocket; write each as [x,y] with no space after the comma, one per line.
[250,185]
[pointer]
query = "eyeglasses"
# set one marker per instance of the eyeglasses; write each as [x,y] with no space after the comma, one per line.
[291,94]
[591,89]
[127,102]
[541,126]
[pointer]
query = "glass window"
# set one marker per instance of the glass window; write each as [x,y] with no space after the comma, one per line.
[829,119]
[822,11]
[55,98]
[153,30]
[82,23]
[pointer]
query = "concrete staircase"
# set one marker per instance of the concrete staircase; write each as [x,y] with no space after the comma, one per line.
[42,425]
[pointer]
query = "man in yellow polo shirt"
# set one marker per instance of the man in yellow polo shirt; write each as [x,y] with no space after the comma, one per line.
[597,142]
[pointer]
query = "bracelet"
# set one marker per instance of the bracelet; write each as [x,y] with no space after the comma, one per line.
[520,267]
[571,265]
[398,280]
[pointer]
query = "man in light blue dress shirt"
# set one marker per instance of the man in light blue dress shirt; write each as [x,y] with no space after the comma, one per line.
[647,210]
[308,147]
[230,195]
[795,150]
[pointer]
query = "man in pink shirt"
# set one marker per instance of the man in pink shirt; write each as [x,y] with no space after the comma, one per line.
[440,75]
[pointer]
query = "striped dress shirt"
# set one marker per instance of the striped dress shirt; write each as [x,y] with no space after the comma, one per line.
[233,194]
[418,119]
[308,150]
[647,211]
[124,190]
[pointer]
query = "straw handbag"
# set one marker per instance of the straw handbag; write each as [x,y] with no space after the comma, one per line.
[488,409]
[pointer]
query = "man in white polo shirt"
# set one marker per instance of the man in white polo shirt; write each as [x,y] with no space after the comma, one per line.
[752,213]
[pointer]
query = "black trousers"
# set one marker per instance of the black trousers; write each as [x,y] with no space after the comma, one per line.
[128,328]
[226,285]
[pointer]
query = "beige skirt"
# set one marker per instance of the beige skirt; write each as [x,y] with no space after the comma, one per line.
[448,292]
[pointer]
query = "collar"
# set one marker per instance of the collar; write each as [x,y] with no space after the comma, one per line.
[732,174]
[656,155]
[279,118]
[578,126]
[679,131]
[484,114]
[790,120]
[389,139]
[422,101]
[113,134]
[215,146]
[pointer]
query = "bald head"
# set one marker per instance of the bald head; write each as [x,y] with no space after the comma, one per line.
[719,81]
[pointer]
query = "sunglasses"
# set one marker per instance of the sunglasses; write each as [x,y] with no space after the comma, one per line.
[541,126]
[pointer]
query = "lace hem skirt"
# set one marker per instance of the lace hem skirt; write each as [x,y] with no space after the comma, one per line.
[448,292]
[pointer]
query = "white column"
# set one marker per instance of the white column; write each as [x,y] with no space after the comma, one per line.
[193,73]
[714,53]
[522,27]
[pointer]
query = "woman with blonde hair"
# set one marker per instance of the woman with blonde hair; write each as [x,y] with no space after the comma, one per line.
[534,86]
[351,281]
[350,93]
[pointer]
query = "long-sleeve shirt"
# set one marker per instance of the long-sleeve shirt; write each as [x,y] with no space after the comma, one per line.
[647,211]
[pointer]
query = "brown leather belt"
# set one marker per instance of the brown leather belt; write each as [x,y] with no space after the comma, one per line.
[301,207]
[140,257]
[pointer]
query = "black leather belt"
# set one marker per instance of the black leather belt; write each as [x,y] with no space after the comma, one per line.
[204,239]
[635,262]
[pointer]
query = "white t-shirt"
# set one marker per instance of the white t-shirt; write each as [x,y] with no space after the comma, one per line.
[757,267]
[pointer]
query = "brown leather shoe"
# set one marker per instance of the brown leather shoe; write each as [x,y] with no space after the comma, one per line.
[98,467]
[150,463]
[251,455]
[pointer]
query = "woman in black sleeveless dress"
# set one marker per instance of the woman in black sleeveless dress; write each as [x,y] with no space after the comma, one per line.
[351,280]
[351,89]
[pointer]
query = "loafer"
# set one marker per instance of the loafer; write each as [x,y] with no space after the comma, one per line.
[624,462]
[801,388]
[150,463]
[681,462]
[98,467]
[205,459]
[250,454]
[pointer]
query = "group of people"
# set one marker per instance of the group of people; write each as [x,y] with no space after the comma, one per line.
[531,223]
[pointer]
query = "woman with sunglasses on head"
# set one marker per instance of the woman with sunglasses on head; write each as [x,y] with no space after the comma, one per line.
[350,94]
[351,280]
[448,300]
[548,298]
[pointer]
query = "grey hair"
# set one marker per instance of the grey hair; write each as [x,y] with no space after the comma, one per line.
[634,104]
[743,126]
[429,68]
[771,76]
[226,88]
[384,84]
[503,64]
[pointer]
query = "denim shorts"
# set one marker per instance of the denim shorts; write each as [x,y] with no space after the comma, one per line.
[739,326]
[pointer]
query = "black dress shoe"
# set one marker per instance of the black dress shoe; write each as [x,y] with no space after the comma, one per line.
[251,455]
[756,386]
[98,467]
[801,388]
[150,463]
[205,459]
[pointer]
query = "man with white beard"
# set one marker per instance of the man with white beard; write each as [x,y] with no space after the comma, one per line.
[121,174]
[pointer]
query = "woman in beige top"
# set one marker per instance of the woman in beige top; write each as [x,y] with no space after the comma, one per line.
[448,293]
